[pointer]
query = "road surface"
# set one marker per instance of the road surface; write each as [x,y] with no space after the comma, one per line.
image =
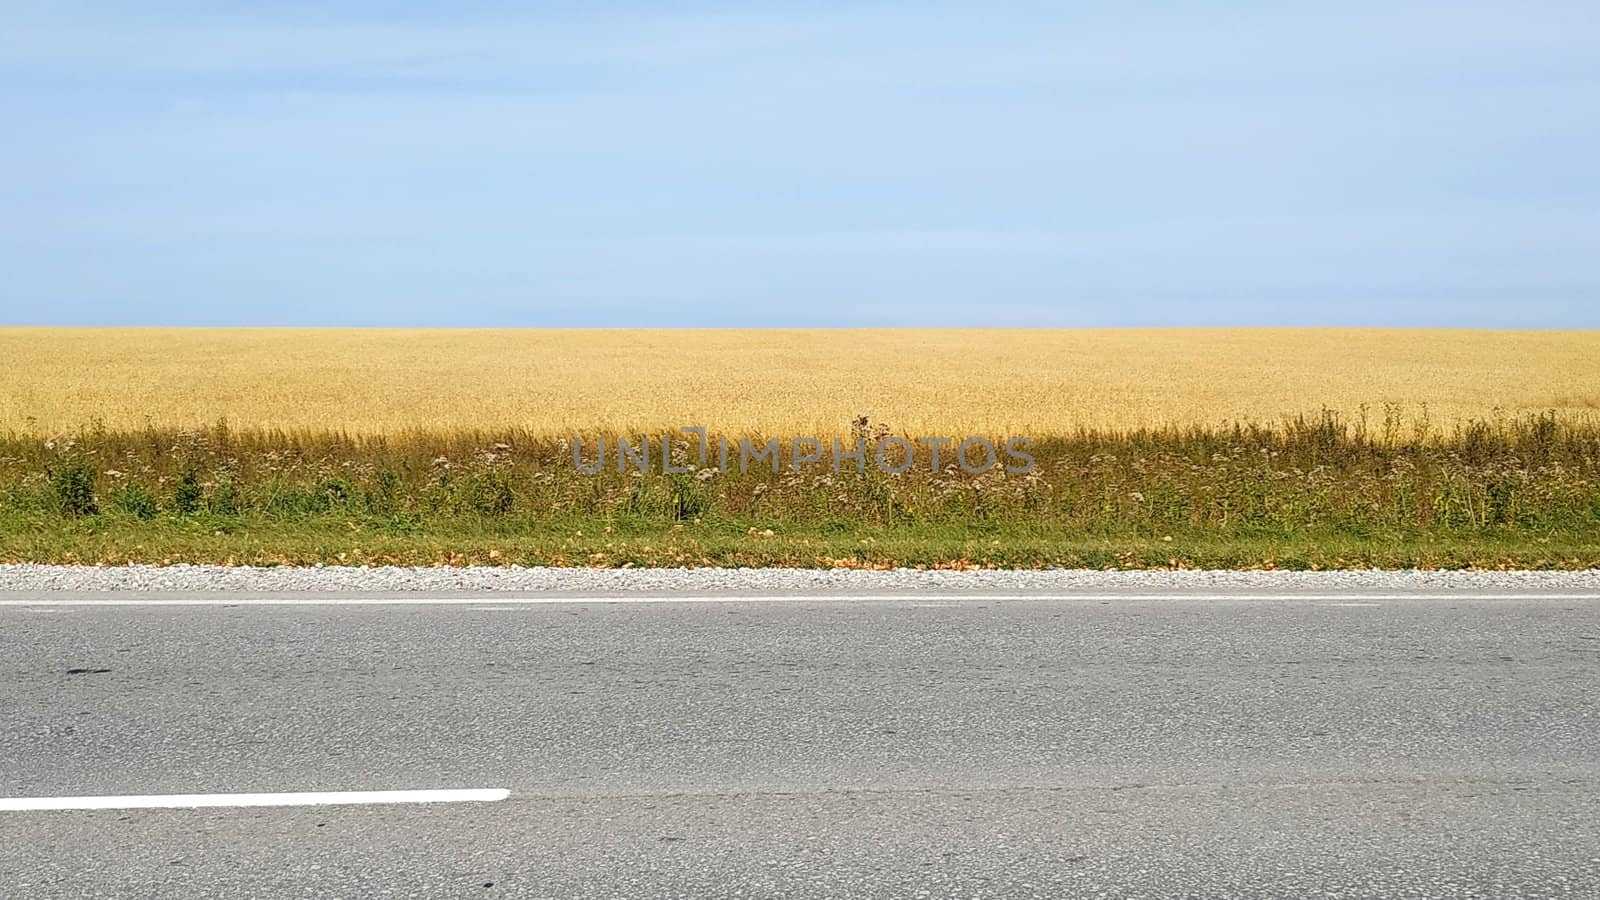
[1335,745]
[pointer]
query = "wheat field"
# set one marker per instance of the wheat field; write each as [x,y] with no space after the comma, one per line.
[1039,382]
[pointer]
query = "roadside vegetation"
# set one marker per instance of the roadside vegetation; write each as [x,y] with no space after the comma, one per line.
[1325,491]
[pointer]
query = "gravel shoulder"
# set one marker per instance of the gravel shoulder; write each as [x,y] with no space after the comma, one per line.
[29,578]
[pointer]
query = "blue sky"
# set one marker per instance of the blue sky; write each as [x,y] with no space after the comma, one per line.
[614,164]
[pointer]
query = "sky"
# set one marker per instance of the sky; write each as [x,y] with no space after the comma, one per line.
[800,164]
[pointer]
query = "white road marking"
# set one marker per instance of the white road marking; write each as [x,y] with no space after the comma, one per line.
[401,600]
[190,801]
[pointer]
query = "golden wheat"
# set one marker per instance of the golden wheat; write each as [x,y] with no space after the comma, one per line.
[778,382]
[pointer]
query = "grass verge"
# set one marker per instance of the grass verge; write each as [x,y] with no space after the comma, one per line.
[1521,493]
[602,543]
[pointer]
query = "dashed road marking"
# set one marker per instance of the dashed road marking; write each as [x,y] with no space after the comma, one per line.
[312,798]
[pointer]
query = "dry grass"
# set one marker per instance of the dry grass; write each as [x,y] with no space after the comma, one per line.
[777,382]
[1524,492]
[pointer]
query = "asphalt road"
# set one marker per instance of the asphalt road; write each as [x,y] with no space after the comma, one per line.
[1438,746]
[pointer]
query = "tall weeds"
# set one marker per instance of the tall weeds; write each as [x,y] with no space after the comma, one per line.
[1528,474]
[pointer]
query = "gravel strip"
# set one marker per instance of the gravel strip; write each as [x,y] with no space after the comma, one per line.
[27,577]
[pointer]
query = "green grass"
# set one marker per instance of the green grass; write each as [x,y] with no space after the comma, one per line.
[580,542]
[1309,494]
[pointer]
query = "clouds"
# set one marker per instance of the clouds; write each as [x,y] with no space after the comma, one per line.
[582,166]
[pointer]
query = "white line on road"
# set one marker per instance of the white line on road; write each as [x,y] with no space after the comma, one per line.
[314,798]
[401,600]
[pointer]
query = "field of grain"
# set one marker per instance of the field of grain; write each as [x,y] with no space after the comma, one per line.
[1037,382]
